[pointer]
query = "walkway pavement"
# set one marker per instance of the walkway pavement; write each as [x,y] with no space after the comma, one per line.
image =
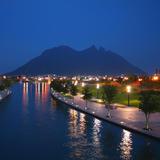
[127,117]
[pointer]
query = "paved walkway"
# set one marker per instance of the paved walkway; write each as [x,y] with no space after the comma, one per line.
[128,117]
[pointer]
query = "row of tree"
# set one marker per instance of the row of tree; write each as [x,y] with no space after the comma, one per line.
[64,86]
[149,100]
[4,84]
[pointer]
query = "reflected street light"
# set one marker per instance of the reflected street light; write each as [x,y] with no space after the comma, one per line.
[128,89]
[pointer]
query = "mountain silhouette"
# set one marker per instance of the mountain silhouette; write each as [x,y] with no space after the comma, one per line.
[64,60]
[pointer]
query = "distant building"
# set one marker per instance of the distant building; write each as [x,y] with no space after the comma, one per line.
[157,72]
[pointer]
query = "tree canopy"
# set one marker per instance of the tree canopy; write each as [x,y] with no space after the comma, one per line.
[109,93]
[60,86]
[87,93]
[73,90]
[5,83]
[149,101]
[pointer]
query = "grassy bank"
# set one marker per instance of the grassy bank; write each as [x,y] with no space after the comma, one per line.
[121,97]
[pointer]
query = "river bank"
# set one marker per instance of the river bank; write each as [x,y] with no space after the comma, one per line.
[127,118]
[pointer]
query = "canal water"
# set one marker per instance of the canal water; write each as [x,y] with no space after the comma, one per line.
[33,126]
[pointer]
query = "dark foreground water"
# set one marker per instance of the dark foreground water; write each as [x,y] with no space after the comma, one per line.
[33,126]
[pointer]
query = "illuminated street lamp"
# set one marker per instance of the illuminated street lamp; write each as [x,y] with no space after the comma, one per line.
[4,77]
[83,84]
[128,89]
[39,79]
[97,87]
[140,79]
[155,78]
[76,82]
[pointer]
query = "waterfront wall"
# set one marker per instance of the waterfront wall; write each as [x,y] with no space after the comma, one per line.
[4,94]
[115,121]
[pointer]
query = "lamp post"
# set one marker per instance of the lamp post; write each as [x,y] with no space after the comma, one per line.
[97,87]
[75,83]
[128,89]
[83,84]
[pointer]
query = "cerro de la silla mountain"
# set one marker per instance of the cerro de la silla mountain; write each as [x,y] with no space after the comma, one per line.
[64,60]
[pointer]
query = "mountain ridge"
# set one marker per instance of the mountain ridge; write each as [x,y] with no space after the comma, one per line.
[64,60]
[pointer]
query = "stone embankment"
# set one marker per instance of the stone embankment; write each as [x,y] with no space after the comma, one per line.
[99,113]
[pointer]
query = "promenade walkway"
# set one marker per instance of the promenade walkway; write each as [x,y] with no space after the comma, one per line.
[130,118]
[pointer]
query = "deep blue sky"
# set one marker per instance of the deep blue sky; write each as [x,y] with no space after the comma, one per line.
[130,28]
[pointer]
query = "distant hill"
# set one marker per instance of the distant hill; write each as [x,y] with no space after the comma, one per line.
[64,60]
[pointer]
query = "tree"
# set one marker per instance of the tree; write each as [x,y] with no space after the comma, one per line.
[87,94]
[109,93]
[149,103]
[59,86]
[2,87]
[56,85]
[65,88]
[5,83]
[73,91]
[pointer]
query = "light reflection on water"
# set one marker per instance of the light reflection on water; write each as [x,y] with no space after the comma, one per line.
[86,137]
[126,145]
[25,94]
[96,132]
[82,123]
[76,133]
[41,93]
[80,145]
[96,136]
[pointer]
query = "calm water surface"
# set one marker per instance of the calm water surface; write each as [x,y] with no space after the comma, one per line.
[33,126]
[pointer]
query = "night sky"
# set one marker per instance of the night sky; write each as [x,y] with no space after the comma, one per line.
[130,28]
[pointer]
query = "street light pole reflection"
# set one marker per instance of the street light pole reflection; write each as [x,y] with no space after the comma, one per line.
[76,128]
[82,123]
[126,145]
[25,93]
[96,131]
[96,136]
[41,93]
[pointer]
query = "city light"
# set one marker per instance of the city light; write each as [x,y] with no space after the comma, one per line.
[97,86]
[39,79]
[4,77]
[126,78]
[97,89]
[76,82]
[140,79]
[97,79]
[49,81]
[83,84]
[128,89]
[155,78]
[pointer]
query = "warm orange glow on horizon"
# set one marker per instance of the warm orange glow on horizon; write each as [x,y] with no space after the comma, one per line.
[140,79]
[155,78]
